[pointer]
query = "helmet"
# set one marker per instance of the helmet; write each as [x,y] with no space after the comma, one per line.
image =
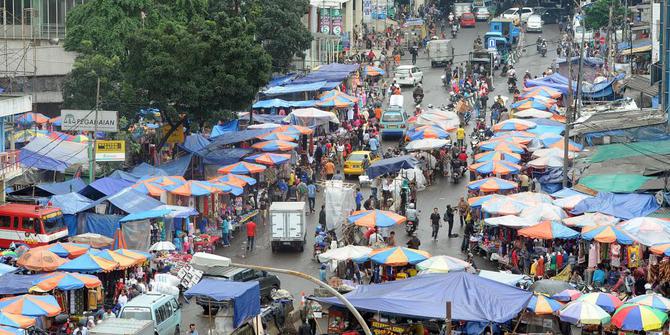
[411,206]
[647,286]
[418,85]
[430,106]
[463,149]
[418,106]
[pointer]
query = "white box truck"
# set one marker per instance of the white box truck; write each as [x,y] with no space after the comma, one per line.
[440,52]
[116,326]
[289,225]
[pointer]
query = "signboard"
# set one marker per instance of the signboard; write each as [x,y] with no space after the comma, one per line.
[382,328]
[110,151]
[85,120]
[336,21]
[324,21]
[177,135]
[367,11]
[492,44]
[189,276]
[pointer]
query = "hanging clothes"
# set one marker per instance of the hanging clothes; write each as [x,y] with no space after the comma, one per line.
[593,255]
[615,254]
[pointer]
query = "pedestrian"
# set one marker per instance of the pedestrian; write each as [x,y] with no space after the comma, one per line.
[323,275]
[469,230]
[225,231]
[449,218]
[311,196]
[251,235]
[435,223]
[329,168]
[359,198]
[390,242]
[322,217]
[460,135]
[192,330]
[462,208]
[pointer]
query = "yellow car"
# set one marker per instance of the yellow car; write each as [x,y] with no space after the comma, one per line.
[353,166]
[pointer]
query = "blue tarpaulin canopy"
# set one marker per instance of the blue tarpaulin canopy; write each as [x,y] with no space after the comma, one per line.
[194,143]
[246,296]
[623,206]
[102,224]
[72,185]
[238,136]
[281,80]
[425,296]
[279,90]
[104,187]
[281,103]
[636,44]
[71,203]
[223,156]
[391,165]
[130,201]
[11,284]
[147,170]
[228,127]
[150,214]
[333,72]
[177,167]
[5,269]
[267,118]
[48,154]
[591,91]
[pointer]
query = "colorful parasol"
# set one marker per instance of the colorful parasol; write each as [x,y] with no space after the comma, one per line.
[66,281]
[268,158]
[30,118]
[156,186]
[479,201]
[606,234]
[274,145]
[567,295]
[503,146]
[11,331]
[69,250]
[582,312]
[40,260]
[196,188]
[57,135]
[513,124]
[136,254]
[590,219]
[398,256]
[546,162]
[376,218]
[549,230]
[543,305]
[424,132]
[508,221]
[503,206]
[242,168]
[148,188]
[661,249]
[279,136]
[533,104]
[31,305]
[293,129]
[80,139]
[630,317]
[552,152]
[497,156]
[492,184]
[235,179]
[27,135]
[544,212]
[123,261]
[231,187]
[443,264]
[508,138]
[606,301]
[163,246]
[571,201]
[531,198]
[16,320]
[56,121]
[542,91]
[345,253]
[336,99]
[89,263]
[533,113]
[515,133]
[647,230]
[372,71]
[572,146]
[654,300]
[495,167]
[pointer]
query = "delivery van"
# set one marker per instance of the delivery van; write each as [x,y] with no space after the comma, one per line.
[162,309]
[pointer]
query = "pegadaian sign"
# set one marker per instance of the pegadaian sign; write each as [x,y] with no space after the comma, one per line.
[86,120]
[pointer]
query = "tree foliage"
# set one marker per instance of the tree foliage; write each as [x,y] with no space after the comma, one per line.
[597,15]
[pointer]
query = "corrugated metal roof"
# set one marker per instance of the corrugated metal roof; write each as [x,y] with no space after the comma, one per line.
[641,84]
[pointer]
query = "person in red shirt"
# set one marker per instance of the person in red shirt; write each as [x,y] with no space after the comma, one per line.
[251,234]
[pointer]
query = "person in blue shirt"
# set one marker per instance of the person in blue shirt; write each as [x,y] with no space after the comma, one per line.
[322,273]
[599,276]
[283,187]
[374,145]
[311,196]
[359,198]
[225,231]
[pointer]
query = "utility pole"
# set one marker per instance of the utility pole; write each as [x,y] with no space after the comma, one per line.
[578,101]
[609,39]
[91,142]
[568,114]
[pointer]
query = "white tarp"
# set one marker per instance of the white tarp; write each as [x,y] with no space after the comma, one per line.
[340,201]
[310,117]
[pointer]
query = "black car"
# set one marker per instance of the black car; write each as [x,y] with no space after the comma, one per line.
[268,283]
[551,15]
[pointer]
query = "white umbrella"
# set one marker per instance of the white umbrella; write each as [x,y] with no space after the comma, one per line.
[544,212]
[647,230]
[546,161]
[590,219]
[263,126]
[163,246]
[345,253]
[556,152]
[509,221]
[426,144]
[531,198]
[571,201]
[442,264]
[533,113]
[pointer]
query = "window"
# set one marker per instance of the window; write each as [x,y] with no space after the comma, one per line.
[136,313]
[392,117]
[28,224]
[175,305]
[53,224]
[5,222]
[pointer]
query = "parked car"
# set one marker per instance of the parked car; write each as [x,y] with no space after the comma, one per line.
[534,24]
[525,13]
[511,14]
[408,75]
[393,122]
[353,165]
[163,310]
[481,13]
[468,20]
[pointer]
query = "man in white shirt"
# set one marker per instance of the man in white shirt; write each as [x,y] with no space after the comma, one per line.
[350,114]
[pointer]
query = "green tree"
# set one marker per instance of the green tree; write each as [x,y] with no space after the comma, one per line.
[597,15]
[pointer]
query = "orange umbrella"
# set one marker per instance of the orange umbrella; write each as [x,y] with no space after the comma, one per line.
[124,261]
[293,129]
[67,281]
[548,230]
[242,168]
[40,260]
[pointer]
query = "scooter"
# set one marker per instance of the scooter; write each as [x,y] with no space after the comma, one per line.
[543,50]
[503,70]
[444,81]
[456,171]
[511,87]
[418,99]
[454,32]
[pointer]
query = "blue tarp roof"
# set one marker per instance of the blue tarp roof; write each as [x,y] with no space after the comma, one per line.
[150,214]
[47,154]
[238,136]
[104,187]
[177,167]
[246,296]
[559,82]
[228,127]
[11,284]
[623,206]
[391,165]
[280,103]
[129,201]
[127,176]
[566,192]
[194,143]
[268,118]
[5,269]
[72,185]
[281,80]
[636,44]
[223,156]
[587,61]
[279,90]
[425,297]
[103,224]
[333,72]
[70,203]
[147,170]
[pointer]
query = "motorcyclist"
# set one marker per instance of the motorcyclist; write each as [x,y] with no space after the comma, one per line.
[543,47]
[511,72]
[463,157]
[418,92]
[527,75]
[451,18]
[417,110]
[539,42]
[412,214]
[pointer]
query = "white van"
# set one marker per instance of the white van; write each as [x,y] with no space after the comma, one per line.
[163,310]
[534,24]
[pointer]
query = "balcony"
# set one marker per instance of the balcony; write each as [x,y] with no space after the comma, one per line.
[9,165]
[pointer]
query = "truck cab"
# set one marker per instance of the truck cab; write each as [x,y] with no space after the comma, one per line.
[507,28]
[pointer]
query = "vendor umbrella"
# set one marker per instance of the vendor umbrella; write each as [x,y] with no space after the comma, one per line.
[631,317]
[508,138]
[654,300]
[426,132]
[606,234]
[606,301]
[508,221]
[336,99]
[533,104]
[274,145]
[426,144]
[479,201]
[497,156]
[242,168]
[531,198]
[549,230]
[163,246]
[293,129]
[503,206]
[556,152]
[268,158]
[30,118]
[398,256]
[372,71]
[647,230]
[16,320]
[585,313]
[66,281]
[89,263]
[590,219]
[11,331]
[141,256]
[230,187]
[235,179]
[492,184]
[543,305]
[513,124]
[549,286]
[533,113]
[443,264]
[345,253]
[661,249]
[40,260]
[544,211]
[546,162]
[279,136]
[376,218]
[571,201]
[495,167]
[567,295]
[123,261]
[71,250]
[540,91]
[503,146]
[572,146]
[31,305]
[195,188]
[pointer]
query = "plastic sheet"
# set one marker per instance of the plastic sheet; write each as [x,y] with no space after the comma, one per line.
[340,201]
[137,234]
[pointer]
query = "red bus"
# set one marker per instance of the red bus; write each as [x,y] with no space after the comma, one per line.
[30,224]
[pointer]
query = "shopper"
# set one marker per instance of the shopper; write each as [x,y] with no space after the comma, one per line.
[251,235]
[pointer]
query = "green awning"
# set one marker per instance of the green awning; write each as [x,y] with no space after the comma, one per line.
[616,183]
[615,151]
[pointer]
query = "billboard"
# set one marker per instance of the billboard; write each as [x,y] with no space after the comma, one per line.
[110,151]
[85,120]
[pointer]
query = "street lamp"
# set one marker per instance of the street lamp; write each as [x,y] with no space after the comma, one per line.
[630,39]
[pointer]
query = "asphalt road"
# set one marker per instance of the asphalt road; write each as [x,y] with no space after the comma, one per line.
[436,196]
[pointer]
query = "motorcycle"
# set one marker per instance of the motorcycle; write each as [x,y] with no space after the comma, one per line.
[410,227]
[467,116]
[503,70]
[511,87]
[444,81]
[456,171]
[418,98]
[454,32]
[543,50]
